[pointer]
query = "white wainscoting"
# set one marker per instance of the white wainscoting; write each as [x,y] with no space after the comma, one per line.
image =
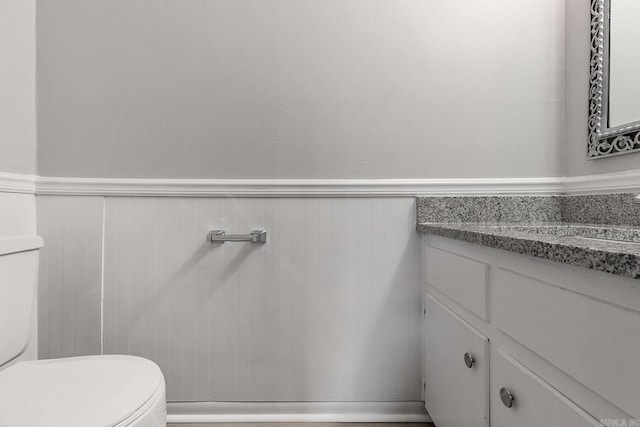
[327,310]
[69,288]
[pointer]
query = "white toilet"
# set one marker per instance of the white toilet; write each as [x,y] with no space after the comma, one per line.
[76,391]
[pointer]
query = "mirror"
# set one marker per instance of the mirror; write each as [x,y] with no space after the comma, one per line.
[624,62]
[614,104]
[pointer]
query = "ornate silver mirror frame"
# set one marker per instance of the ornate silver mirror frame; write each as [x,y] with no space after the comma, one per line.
[605,141]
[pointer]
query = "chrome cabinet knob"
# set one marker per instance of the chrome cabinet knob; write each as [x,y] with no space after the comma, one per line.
[468,360]
[506,397]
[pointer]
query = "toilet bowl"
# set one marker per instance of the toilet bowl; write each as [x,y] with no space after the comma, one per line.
[100,391]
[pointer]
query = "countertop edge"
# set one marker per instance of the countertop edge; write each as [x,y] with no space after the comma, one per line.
[620,264]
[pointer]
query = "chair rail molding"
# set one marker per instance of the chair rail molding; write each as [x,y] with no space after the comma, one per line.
[294,187]
[599,183]
[603,183]
[17,183]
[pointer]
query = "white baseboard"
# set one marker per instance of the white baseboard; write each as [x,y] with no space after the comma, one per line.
[294,188]
[298,412]
[17,183]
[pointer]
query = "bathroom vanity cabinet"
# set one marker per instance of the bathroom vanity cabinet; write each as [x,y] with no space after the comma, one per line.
[512,340]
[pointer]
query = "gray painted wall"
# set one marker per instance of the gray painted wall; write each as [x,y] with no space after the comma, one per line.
[18,86]
[300,89]
[577,98]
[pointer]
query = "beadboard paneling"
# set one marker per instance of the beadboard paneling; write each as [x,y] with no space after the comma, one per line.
[70,275]
[327,310]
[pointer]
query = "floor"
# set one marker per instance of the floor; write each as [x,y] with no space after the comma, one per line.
[306,425]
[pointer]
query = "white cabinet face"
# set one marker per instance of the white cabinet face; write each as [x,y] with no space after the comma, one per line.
[594,342]
[456,369]
[520,398]
[460,278]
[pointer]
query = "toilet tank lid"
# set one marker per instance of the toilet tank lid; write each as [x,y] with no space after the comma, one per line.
[12,245]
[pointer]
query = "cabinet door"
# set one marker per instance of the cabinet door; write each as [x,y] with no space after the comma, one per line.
[520,398]
[455,395]
[587,338]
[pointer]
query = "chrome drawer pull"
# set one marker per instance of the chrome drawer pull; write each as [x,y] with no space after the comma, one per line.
[468,360]
[506,397]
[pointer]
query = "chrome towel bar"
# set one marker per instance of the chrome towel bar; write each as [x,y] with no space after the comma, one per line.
[219,236]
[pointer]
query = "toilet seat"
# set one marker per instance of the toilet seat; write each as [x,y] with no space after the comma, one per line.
[86,391]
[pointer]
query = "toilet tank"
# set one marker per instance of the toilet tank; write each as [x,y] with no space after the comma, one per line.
[18,282]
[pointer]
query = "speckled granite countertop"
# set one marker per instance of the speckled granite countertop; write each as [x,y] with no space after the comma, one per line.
[566,243]
[550,227]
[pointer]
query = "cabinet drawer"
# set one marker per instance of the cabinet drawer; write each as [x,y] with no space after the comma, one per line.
[594,342]
[455,394]
[462,279]
[535,403]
